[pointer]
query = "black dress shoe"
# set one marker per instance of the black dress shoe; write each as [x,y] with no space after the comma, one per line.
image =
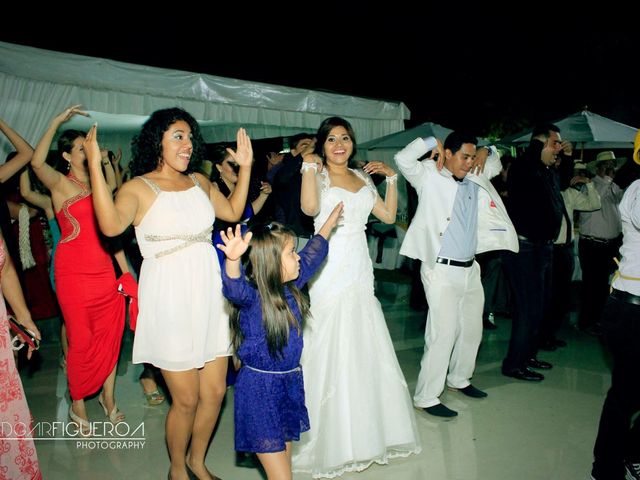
[470,391]
[440,410]
[539,364]
[549,346]
[245,460]
[524,374]
[190,474]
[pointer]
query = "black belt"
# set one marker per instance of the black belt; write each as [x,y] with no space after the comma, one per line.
[535,242]
[625,296]
[566,244]
[454,263]
[597,239]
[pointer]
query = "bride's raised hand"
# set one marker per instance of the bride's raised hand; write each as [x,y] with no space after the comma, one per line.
[312,158]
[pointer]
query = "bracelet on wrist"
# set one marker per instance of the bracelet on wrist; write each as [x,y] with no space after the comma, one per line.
[392,179]
[308,166]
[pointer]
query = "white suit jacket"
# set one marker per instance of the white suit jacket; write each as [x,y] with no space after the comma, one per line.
[436,195]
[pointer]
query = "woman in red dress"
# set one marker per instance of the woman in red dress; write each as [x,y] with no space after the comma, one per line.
[85,280]
[18,459]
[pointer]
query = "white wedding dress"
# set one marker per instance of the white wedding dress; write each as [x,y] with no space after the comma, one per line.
[360,409]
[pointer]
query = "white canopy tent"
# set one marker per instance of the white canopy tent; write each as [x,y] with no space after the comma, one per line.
[37,84]
[399,140]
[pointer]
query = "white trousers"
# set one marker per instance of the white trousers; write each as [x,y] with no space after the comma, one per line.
[453,332]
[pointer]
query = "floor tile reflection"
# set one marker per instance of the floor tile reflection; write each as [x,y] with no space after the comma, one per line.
[522,430]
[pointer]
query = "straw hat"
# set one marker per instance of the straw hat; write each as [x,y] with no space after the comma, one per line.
[606,156]
[206,167]
[579,166]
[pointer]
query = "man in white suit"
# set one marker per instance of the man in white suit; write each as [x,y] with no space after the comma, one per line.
[459,214]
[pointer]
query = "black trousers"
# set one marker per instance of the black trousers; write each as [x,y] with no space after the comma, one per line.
[529,273]
[497,293]
[562,273]
[618,439]
[596,262]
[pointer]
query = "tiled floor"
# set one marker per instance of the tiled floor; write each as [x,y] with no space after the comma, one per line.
[525,431]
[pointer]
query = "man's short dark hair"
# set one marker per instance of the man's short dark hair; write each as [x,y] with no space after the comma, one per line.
[455,140]
[294,140]
[544,129]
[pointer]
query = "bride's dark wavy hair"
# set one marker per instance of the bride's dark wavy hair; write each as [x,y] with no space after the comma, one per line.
[325,128]
[146,147]
[264,271]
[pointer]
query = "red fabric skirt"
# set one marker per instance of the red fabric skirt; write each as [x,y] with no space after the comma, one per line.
[93,313]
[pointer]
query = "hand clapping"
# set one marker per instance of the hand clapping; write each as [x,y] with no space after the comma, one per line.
[91,147]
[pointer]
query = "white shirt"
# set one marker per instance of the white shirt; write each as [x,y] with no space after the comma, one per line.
[577,200]
[603,223]
[436,197]
[630,249]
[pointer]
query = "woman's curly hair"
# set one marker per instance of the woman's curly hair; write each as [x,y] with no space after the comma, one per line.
[146,147]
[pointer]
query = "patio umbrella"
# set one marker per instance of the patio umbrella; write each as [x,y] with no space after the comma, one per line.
[588,131]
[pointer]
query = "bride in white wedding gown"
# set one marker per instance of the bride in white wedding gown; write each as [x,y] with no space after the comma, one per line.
[360,410]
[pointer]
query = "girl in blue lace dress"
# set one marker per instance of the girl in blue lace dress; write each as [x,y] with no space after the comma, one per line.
[267,336]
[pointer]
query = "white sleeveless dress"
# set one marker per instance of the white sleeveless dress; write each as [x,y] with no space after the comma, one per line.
[360,409]
[182,323]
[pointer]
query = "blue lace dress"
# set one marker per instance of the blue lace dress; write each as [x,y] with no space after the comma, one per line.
[269,392]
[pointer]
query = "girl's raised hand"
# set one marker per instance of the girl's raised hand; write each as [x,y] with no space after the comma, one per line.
[243,155]
[332,221]
[234,244]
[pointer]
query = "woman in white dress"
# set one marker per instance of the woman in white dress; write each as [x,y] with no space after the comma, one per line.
[182,327]
[360,409]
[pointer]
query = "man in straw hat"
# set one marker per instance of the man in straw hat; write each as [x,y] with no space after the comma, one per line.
[617,448]
[599,242]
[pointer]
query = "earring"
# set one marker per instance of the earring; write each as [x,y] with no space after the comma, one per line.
[68,166]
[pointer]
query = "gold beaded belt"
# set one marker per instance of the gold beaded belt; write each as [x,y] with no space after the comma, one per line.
[189,239]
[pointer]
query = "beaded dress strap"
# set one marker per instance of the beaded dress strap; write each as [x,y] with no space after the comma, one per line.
[193,177]
[152,185]
[70,201]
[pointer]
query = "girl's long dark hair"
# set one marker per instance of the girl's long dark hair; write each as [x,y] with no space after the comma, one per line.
[264,270]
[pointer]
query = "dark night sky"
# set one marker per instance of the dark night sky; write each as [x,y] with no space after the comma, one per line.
[484,73]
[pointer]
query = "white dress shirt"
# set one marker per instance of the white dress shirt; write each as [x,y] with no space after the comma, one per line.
[630,250]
